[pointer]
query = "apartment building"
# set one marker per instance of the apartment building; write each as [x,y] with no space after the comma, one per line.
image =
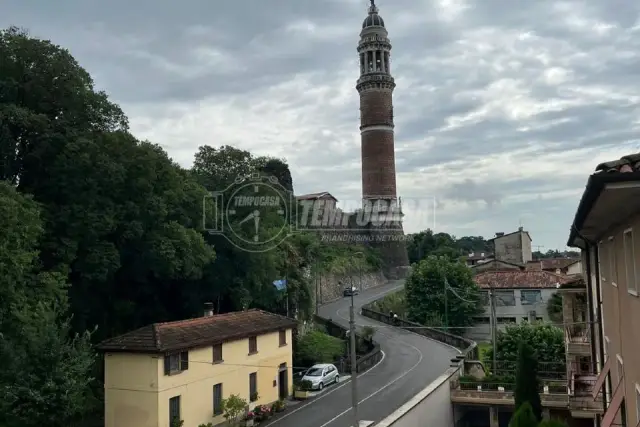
[183,370]
[513,247]
[519,295]
[606,228]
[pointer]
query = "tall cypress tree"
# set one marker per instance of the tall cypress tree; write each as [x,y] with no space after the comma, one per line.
[523,417]
[527,384]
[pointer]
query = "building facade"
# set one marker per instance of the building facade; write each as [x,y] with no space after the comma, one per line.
[518,295]
[183,370]
[513,247]
[375,87]
[606,228]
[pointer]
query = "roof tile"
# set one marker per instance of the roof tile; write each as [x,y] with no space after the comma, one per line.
[515,279]
[626,164]
[198,332]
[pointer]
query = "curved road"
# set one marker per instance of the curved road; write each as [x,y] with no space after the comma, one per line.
[410,363]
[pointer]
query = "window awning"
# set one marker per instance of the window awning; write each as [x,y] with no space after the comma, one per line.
[614,407]
[601,377]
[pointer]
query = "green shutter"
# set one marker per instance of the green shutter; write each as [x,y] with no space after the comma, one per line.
[184,360]
[167,364]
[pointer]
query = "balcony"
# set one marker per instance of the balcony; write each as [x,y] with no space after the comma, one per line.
[479,392]
[582,404]
[577,339]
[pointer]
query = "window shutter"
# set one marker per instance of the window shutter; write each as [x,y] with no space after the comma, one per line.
[167,364]
[184,360]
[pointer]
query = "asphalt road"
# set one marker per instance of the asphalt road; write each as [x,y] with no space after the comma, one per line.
[410,363]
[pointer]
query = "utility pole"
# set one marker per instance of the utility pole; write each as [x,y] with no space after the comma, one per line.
[446,305]
[354,373]
[316,277]
[493,321]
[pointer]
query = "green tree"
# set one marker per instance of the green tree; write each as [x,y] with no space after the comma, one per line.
[554,308]
[527,385]
[548,340]
[318,347]
[425,292]
[524,417]
[46,377]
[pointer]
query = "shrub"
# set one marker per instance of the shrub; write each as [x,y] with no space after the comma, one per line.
[318,347]
[233,406]
[306,385]
[524,417]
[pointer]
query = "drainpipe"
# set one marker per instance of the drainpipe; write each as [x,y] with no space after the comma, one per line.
[598,320]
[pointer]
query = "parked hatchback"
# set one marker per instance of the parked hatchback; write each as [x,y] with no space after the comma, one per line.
[322,375]
[349,291]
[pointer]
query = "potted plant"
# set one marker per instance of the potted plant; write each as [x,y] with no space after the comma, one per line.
[304,390]
[279,406]
[233,407]
[249,418]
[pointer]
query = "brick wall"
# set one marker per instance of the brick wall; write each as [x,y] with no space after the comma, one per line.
[376,108]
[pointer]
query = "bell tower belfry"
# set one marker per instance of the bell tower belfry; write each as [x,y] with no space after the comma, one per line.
[375,87]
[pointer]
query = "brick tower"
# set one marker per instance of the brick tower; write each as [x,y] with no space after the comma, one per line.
[375,87]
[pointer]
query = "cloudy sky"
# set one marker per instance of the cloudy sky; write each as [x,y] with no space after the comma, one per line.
[503,107]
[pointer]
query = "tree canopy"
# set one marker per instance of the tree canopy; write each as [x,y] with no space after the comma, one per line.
[425,293]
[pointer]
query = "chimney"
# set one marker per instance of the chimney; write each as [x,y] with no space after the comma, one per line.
[520,228]
[208,309]
[499,234]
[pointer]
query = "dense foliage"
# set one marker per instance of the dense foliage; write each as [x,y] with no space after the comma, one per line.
[554,308]
[425,293]
[548,341]
[395,302]
[101,230]
[524,417]
[318,347]
[527,387]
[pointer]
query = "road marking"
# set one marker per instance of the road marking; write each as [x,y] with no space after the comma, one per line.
[342,384]
[382,388]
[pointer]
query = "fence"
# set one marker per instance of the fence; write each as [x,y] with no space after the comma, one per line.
[468,347]
[364,362]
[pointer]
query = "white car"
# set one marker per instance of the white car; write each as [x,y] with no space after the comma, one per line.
[322,375]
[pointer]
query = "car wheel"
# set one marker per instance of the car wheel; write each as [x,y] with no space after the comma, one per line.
[337,379]
[321,386]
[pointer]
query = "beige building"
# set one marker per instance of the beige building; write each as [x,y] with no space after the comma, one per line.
[513,247]
[606,228]
[183,370]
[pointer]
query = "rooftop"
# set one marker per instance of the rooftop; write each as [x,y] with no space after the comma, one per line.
[315,196]
[553,263]
[516,279]
[198,332]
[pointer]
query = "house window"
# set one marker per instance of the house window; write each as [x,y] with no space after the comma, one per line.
[481,320]
[484,297]
[530,297]
[217,353]
[503,320]
[217,399]
[174,410]
[505,298]
[613,261]
[630,262]
[283,338]
[253,387]
[253,345]
[176,363]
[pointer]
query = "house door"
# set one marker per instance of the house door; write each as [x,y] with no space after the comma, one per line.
[283,382]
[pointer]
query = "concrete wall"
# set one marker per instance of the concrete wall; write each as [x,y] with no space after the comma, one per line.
[482,330]
[431,407]
[513,247]
[330,289]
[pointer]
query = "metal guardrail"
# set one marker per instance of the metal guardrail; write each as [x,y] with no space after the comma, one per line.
[468,347]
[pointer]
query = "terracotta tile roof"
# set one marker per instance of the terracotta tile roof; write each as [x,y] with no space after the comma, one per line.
[198,332]
[626,164]
[478,255]
[553,263]
[514,279]
[315,196]
[496,263]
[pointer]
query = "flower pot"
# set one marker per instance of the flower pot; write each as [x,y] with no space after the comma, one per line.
[280,409]
[299,394]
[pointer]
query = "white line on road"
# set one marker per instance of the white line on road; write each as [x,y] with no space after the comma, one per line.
[342,384]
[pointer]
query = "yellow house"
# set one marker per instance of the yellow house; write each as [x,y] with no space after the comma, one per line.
[185,369]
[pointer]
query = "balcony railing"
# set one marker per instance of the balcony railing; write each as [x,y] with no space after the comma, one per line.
[578,333]
[546,370]
[469,391]
[581,398]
